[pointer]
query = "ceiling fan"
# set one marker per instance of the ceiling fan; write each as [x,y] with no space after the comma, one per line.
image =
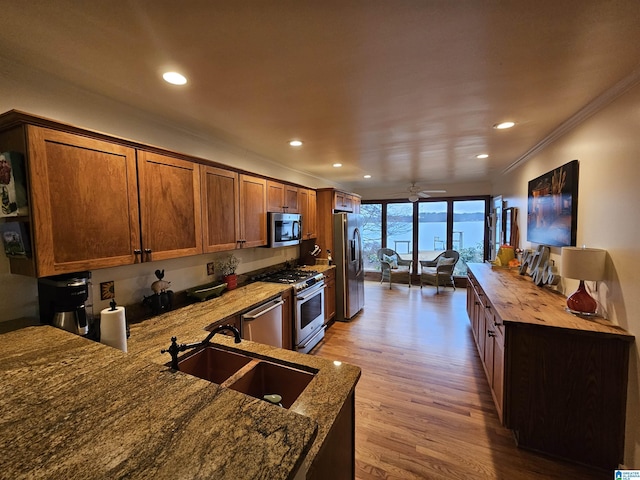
[414,193]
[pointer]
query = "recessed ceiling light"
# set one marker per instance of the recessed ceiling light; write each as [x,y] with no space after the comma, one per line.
[504,125]
[367,176]
[174,78]
[295,143]
[483,155]
[337,165]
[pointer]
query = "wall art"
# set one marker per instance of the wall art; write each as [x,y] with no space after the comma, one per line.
[553,207]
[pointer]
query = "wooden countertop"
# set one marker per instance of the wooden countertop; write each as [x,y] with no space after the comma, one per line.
[73,408]
[518,300]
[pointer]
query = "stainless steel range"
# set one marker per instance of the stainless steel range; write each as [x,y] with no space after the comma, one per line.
[308,311]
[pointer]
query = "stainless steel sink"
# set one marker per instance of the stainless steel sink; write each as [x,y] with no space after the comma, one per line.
[267,378]
[213,364]
[246,374]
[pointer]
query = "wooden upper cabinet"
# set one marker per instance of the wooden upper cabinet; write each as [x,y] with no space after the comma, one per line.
[220,209]
[281,197]
[253,211]
[170,206]
[343,202]
[307,199]
[291,199]
[84,202]
[356,203]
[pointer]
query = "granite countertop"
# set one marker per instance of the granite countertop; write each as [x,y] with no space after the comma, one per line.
[73,408]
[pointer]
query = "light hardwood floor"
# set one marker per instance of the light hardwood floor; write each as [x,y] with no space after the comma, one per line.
[423,406]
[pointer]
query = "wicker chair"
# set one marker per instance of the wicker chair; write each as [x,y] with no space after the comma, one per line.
[439,271]
[390,267]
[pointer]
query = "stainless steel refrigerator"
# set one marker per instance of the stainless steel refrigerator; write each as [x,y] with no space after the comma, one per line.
[347,243]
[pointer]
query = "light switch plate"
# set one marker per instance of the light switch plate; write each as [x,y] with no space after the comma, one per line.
[210,268]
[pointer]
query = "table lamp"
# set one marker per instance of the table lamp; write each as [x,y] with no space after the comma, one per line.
[582,264]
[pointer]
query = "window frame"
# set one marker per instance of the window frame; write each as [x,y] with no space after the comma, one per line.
[450,201]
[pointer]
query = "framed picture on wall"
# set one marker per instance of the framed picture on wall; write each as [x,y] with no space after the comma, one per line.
[553,207]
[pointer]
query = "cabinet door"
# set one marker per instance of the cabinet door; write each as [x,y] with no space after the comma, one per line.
[356,204]
[170,206]
[330,296]
[220,216]
[308,211]
[343,202]
[287,320]
[253,211]
[234,321]
[291,199]
[84,202]
[497,383]
[275,197]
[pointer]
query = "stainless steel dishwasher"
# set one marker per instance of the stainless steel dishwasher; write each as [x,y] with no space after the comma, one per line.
[263,324]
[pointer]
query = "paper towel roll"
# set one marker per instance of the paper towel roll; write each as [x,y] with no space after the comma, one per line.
[113,328]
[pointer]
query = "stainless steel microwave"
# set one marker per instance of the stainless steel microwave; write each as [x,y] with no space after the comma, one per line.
[284,229]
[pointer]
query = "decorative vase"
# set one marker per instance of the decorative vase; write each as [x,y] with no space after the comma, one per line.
[231,281]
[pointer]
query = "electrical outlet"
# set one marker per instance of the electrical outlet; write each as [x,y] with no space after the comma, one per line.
[107,290]
[210,268]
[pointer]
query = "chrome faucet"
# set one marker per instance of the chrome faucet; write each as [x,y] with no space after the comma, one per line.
[174,348]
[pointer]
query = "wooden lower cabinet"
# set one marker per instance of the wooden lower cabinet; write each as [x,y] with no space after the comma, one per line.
[558,381]
[336,458]
[234,321]
[329,295]
[287,320]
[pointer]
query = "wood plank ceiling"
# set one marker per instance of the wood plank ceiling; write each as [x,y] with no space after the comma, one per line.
[405,91]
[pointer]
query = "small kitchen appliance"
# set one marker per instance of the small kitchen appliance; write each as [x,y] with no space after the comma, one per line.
[63,301]
[285,229]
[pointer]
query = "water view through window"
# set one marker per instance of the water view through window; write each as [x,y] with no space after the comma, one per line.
[441,225]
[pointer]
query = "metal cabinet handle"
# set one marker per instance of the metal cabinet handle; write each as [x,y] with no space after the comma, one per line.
[276,303]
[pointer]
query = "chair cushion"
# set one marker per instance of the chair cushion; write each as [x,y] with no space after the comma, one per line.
[392,260]
[446,261]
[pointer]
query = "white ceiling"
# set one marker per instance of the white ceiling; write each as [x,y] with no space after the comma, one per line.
[406,91]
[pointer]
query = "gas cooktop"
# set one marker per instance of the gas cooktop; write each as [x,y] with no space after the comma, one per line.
[295,277]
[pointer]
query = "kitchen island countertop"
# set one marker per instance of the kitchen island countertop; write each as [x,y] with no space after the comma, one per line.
[73,408]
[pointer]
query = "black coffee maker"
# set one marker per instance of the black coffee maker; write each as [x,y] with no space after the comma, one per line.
[63,301]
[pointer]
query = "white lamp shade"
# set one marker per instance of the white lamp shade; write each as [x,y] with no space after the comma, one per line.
[583,263]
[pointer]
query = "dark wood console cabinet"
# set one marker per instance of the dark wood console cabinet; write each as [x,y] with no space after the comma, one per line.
[558,381]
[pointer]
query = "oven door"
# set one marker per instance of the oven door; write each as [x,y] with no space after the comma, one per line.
[309,315]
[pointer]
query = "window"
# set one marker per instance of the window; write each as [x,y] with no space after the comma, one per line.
[468,232]
[432,229]
[431,225]
[371,234]
[400,228]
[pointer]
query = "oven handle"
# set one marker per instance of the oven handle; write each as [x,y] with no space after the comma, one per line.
[311,293]
[320,330]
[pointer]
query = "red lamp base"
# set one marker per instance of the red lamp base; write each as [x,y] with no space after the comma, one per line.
[581,302]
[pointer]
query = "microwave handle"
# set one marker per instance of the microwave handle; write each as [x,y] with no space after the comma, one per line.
[298,225]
